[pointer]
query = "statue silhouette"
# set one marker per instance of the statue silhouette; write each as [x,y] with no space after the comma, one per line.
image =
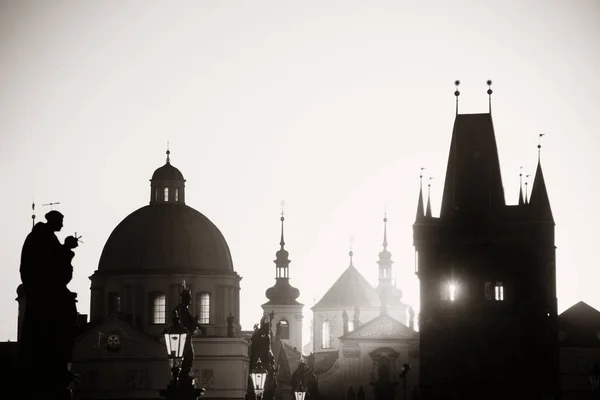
[182,314]
[50,308]
[230,320]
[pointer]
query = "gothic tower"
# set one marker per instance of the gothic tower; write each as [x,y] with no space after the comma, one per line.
[487,279]
[282,300]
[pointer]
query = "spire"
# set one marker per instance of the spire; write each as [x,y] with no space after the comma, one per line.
[526,189]
[456,93]
[539,146]
[428,212]
[521,202]
[420,214]
[539,201]
[33,214]
[351,253]
[168,154]
[489,92]
[473,189]
[282,260]
[385,260]
[385,242]
[282,242]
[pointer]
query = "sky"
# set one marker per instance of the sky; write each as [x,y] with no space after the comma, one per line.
[331,106]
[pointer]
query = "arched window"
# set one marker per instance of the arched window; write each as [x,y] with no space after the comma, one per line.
[203,307]
[350,326]
[158,303]
[176,194]
[326,335]
[284,332]
[114,303]
[155,194]
[166,192]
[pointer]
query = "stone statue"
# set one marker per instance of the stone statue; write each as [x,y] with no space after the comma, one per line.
[230,320]
[50,308]
[183,316]
[278,331]
[356,319]
[345,321]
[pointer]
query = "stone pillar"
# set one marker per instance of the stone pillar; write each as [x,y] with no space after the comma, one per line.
[21,313]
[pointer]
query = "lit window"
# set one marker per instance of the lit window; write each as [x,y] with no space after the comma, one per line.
[285,329]
[166,192]
[158,308]
[350,326]
[114,303]
[203,307]
[452,291]
[499,291]
[326,335]
[155,194]
[449,291]
[176,194]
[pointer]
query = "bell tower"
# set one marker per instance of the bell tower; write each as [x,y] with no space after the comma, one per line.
[282,302]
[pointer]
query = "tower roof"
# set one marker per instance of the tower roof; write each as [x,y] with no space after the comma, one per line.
[473,183]
[349,290]
[539,203]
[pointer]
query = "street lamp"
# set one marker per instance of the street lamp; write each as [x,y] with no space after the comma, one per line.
[404,375]
[175,337]
[300,392]
[259,376]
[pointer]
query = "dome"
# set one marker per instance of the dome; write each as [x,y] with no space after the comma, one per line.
[167,173]
[282,293]
[166,237]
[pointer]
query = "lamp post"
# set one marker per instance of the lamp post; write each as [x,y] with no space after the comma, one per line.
[403,375]
[300,392]
[259,376]
[175,337]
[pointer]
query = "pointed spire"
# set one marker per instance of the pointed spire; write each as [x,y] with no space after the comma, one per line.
[456,93]
[168,154]
[428,211]
[420,213]
[521,202]
[526,189]
[33,214]
[351,253]
[282,261]
[489,92]
[539,201]
[539,146]
[282,242]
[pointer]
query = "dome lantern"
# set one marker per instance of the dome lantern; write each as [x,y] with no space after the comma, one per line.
[167,184]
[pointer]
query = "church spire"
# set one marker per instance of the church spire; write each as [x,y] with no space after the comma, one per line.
[521,202]
[539,201]
[428,211]
[282,260]
[385,259]
[420,214]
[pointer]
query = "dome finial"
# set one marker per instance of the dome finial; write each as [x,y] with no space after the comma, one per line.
[33,214]
[168,154]
[385,242]
[282,242]
[489,92]
[456,93]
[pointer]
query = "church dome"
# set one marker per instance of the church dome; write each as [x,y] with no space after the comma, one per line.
[166,236]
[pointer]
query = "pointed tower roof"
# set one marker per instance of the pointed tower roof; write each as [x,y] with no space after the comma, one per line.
[521,201]
[428,209]
[420,215]
[539,202]
[282,293]
[473,183]
[349,290]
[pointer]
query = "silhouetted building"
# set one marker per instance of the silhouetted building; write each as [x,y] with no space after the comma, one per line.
[363,335]
[579,341]
[138,284]
[487,279]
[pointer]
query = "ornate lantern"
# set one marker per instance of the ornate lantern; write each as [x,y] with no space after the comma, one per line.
[175,337]
[259,376]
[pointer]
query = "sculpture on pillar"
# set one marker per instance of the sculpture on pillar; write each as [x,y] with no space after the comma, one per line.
[50,313]
[260,349]
[345,322]
[230,320]
[182,314]
[356,319]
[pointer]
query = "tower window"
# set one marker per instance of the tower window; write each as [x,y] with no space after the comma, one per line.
[350,326]
[176,195]
[284,327]
[114,303]
[203,307]
[158,303]
[166,194]
[326,335]
[489,291]
[449,291]
[155,194]
[499,291]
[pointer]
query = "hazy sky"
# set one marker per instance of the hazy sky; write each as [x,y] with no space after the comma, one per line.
[332,106]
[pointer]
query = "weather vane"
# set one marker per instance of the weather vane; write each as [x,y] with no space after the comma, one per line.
[50,204]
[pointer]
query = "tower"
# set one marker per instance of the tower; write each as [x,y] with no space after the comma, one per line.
[282,300]
[487,279]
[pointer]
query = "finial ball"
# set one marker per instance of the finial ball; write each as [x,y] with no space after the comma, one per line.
[457,83]
[385,219]
[457,93]
[351,253]
[282,219]
[489,82]
[489,91]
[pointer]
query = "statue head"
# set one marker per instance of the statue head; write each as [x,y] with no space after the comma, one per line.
[185,295]
[54,219]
